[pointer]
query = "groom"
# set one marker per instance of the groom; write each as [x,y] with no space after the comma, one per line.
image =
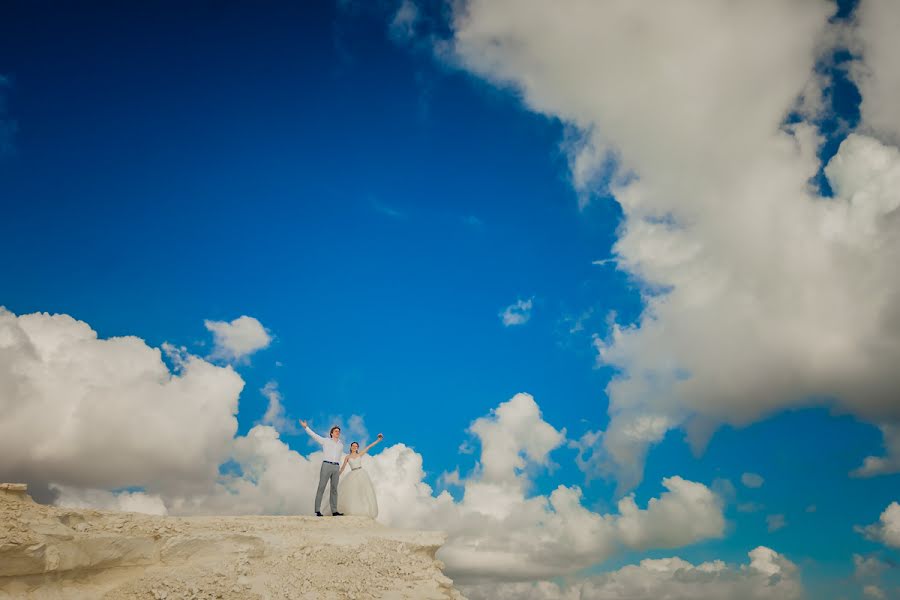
[332,449]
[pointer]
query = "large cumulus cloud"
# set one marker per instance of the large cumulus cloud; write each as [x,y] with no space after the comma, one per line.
[759,294]
[108,413]
[501,531]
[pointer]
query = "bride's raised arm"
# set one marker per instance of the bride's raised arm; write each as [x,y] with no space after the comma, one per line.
[377,439]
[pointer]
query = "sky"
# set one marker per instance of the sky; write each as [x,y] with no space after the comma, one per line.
[617,281]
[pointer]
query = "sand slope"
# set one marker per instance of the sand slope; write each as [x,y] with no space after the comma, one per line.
[57,553]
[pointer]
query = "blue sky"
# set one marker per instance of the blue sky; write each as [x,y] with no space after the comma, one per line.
[330,207]
[375,208]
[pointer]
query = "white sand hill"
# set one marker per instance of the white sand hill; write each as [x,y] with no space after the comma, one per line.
[63,554]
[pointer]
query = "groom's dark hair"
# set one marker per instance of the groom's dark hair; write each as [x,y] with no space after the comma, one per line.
[330,431]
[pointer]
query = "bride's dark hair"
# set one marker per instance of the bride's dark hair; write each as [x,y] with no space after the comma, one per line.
[351,446]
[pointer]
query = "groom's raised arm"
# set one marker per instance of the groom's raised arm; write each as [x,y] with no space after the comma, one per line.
[311,433]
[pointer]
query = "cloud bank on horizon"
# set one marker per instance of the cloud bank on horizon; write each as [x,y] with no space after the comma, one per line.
[767,575]
[86,416]
[760,294]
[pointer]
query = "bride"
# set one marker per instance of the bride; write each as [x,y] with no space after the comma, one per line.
[357,496]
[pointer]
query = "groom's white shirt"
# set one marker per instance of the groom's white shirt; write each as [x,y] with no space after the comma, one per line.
[331,450]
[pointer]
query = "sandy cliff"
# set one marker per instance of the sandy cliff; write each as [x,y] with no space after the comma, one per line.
[48,552]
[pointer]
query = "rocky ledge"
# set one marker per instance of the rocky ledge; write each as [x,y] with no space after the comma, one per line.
[49,552]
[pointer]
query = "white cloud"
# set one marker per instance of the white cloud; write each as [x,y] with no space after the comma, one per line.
[890,462]
[688,512]
[868,567]
[273,479]
[576,323]
[517,313]
[725,490]
[768,575]
[237,340]
[887,529]
[775,522]
[450,478]
[877,75]
[499,531]
[108,413]
[141,502]
[275,415]
[513,435]
[403,25]
[873,591]
[759,295]
[752,480]
[356,429]
[603,262]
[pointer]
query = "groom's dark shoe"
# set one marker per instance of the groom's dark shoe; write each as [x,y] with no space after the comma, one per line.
[318,514]
[337,514]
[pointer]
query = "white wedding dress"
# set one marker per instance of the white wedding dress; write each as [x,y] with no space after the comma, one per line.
[356,496]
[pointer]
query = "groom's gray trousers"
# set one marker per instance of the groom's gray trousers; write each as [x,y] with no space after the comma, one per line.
[328,471]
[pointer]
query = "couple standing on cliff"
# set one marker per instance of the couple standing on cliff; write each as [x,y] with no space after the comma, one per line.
[357,496]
